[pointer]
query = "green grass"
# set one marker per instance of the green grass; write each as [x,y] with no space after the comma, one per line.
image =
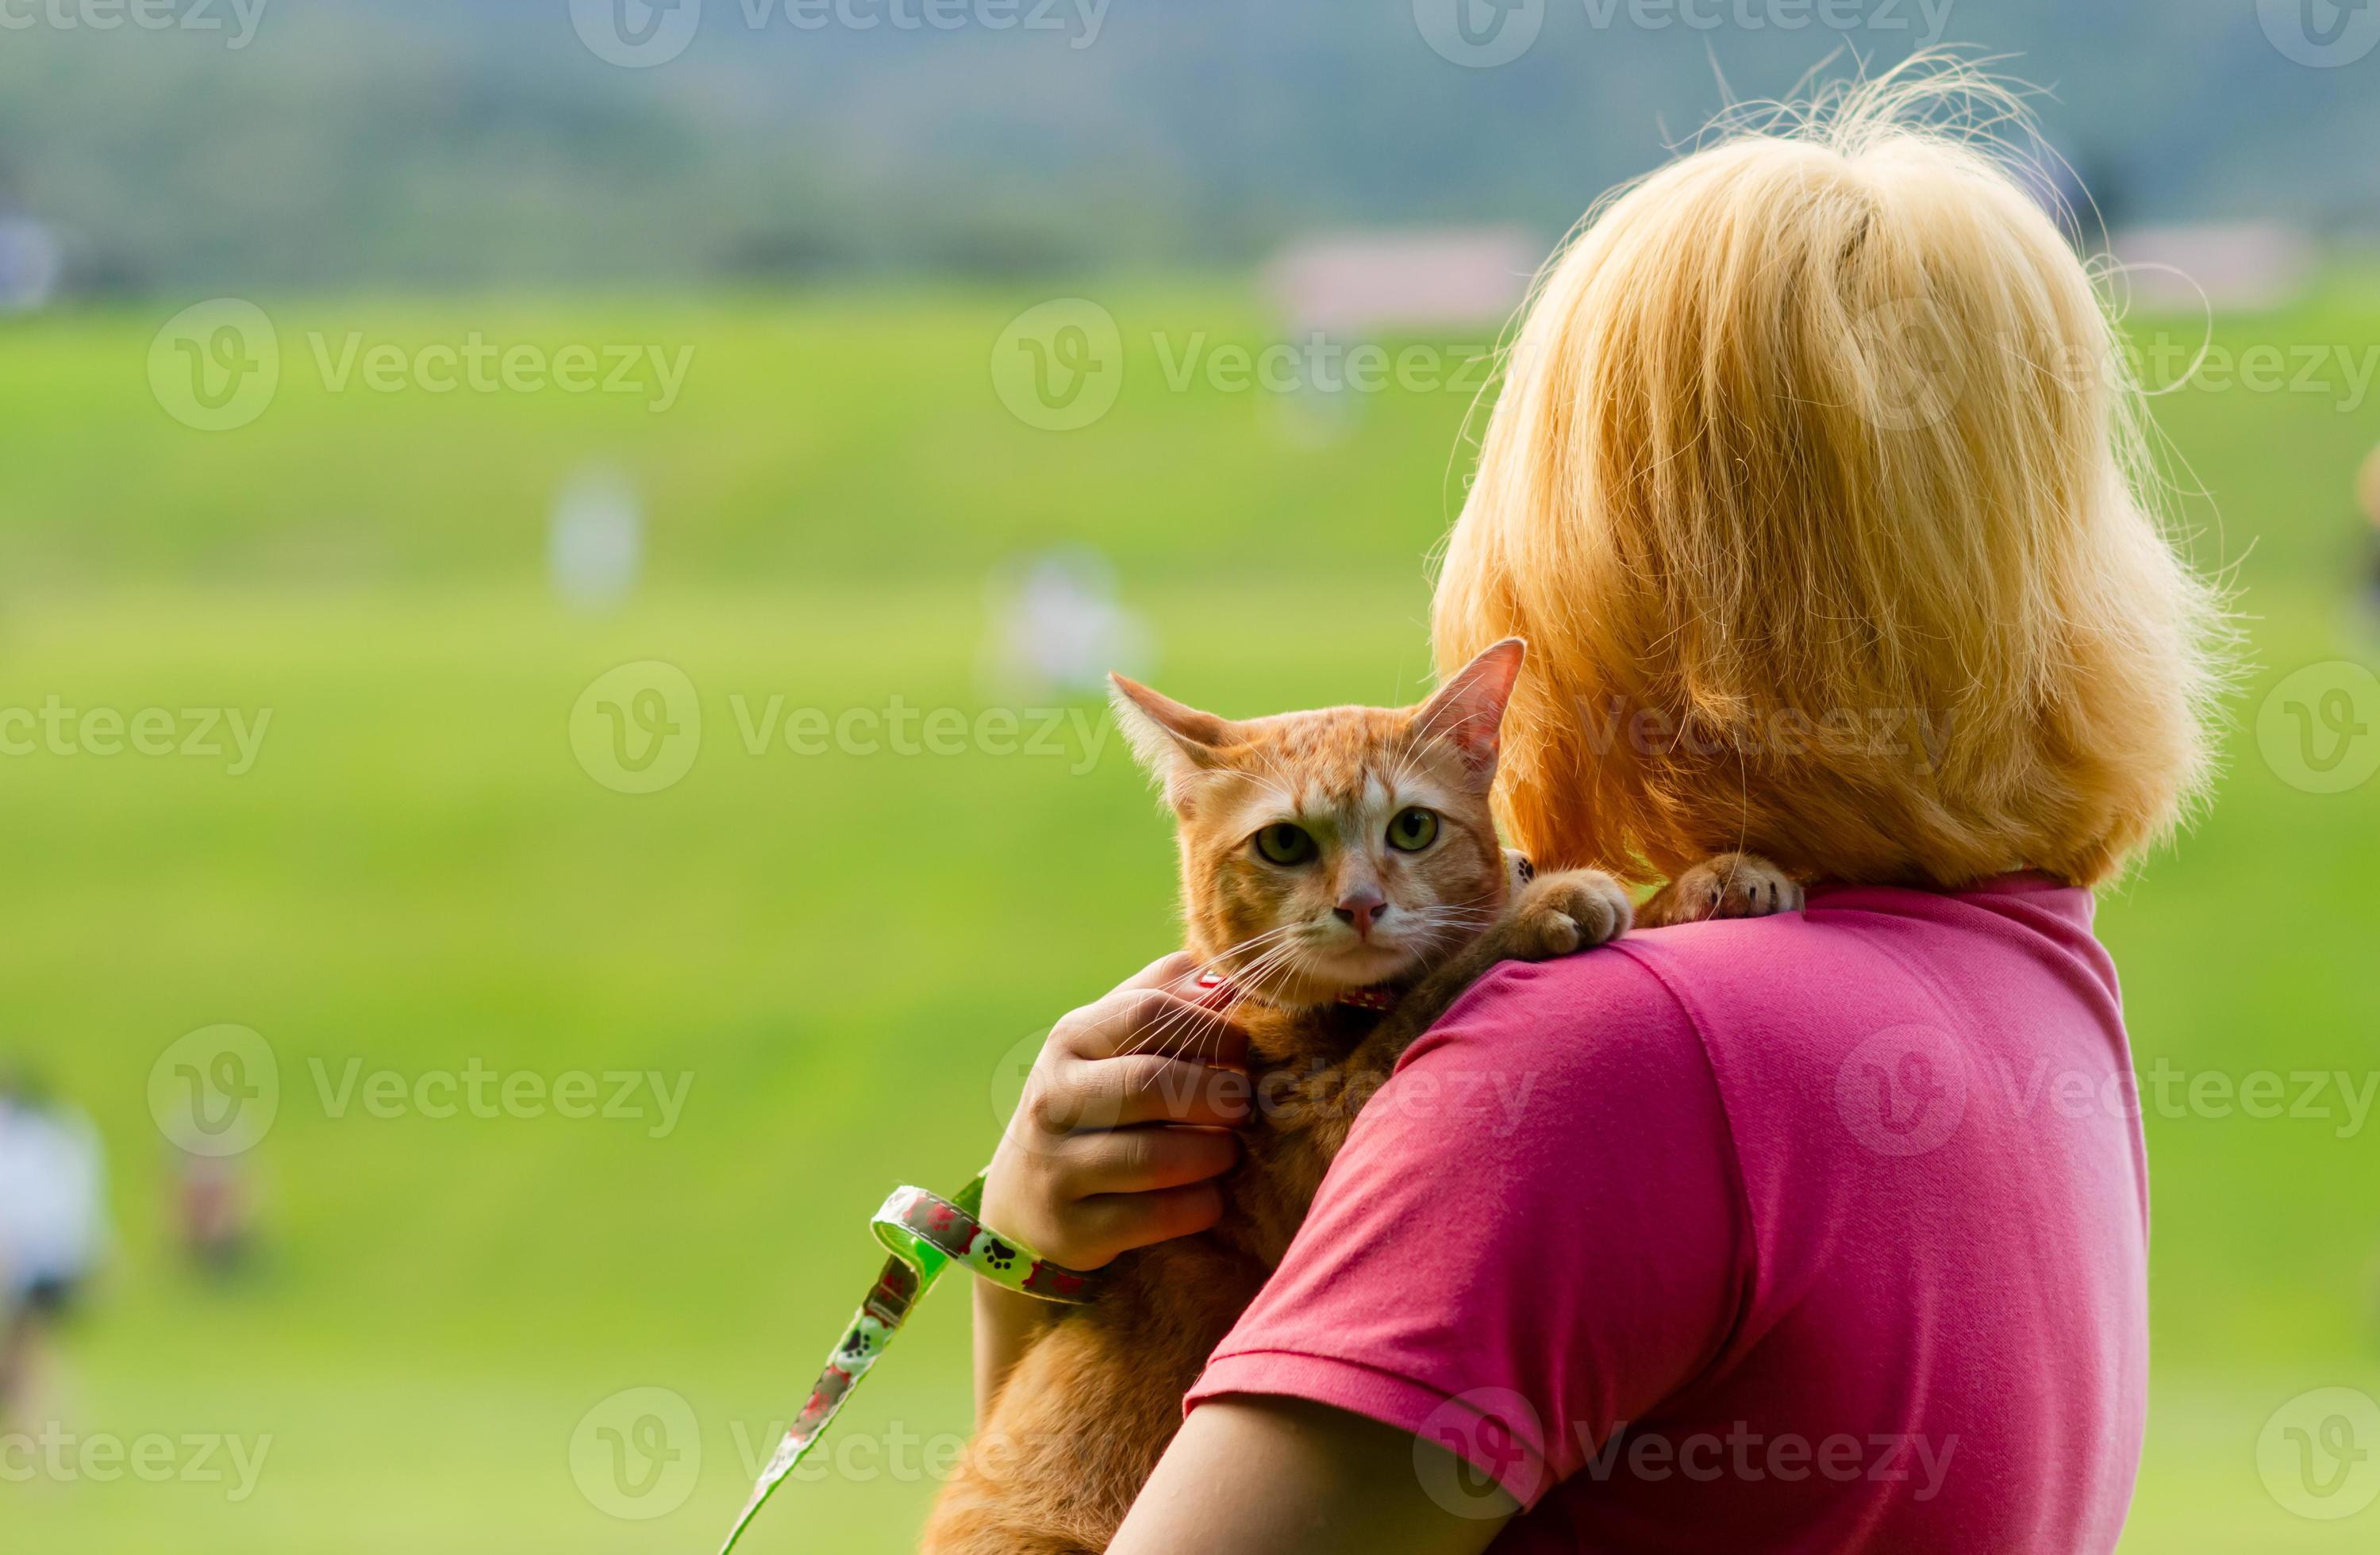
[839,950]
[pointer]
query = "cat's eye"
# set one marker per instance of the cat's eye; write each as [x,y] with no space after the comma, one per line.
[1282,843]
[1413,829]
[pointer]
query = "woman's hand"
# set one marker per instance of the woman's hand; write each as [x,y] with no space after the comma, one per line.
[1125,1124]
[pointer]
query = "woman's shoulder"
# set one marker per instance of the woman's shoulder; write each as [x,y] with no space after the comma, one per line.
[1555,1054]
[1773,1009]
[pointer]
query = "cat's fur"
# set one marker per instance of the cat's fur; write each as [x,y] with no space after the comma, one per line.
[1080,1423]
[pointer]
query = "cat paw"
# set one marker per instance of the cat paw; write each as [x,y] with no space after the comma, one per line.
[1735,886]
[1557,914]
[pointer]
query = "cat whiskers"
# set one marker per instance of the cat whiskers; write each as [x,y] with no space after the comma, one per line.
[1186,987]
[1449,924]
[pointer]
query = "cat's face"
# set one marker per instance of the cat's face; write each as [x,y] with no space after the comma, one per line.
[1335,850]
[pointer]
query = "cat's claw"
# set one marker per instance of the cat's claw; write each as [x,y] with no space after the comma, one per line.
[1558,914]
[1736,885]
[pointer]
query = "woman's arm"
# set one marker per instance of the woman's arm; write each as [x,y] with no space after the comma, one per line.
[1508,1279]
[1116,1145]
[1304,1476]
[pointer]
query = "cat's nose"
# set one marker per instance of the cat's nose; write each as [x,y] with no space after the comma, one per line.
[1359,908]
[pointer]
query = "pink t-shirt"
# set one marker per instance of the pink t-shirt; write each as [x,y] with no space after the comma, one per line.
[1819,1232]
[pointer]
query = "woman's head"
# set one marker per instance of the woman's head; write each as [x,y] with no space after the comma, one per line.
[1815,484]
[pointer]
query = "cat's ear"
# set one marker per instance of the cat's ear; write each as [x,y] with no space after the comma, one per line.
[1171,740]
[1468,711]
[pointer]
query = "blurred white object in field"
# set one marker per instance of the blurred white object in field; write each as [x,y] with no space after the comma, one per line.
[2224,266]
[29,264]
[1057,628]
[53,1199]
[595,542]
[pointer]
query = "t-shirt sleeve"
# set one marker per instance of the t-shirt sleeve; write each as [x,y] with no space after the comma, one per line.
[1531,1236]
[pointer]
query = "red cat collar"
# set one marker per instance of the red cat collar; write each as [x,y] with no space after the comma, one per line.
[1379,996]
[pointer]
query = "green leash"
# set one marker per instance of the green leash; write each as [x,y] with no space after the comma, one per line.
[926,1235]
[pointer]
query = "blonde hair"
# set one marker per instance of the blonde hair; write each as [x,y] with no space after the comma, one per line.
[1817,485]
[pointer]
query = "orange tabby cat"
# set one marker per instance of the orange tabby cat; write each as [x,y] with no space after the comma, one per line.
[1340,874]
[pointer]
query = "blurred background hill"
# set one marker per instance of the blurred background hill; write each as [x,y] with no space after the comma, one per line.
[472,142]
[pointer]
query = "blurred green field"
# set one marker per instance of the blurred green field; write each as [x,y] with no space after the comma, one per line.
[840,951]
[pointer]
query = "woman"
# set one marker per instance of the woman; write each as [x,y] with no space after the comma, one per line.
[1811,487]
